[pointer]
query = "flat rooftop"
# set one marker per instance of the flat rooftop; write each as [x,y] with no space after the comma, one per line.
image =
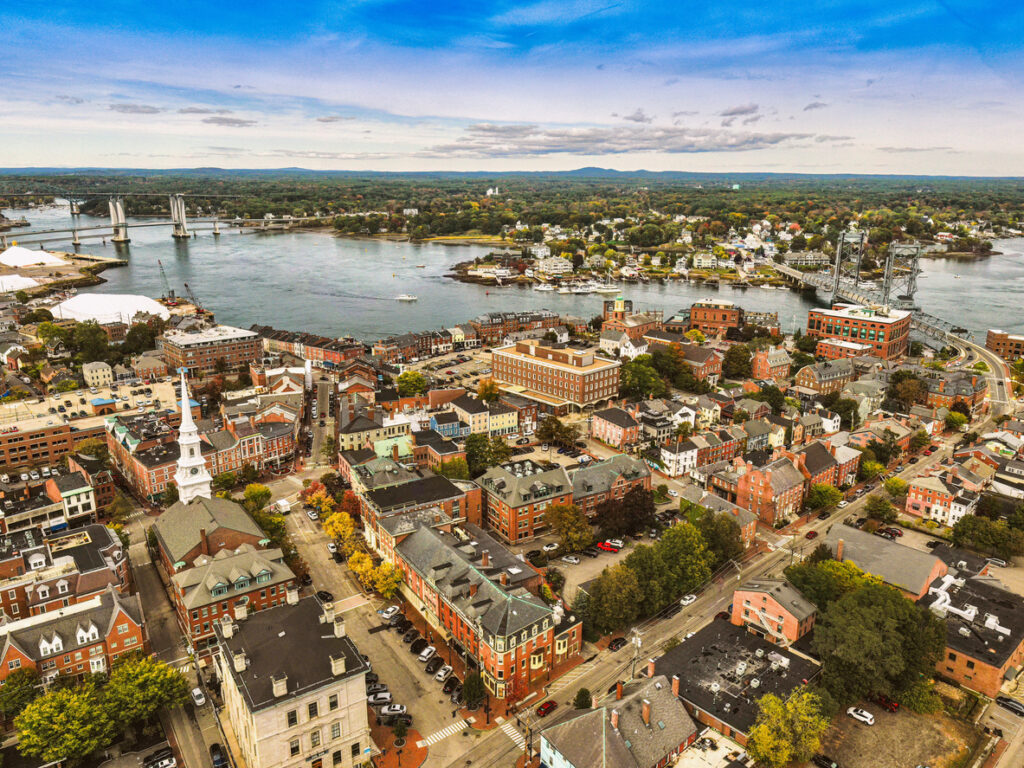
[597,364]
[214,335]
[859,312]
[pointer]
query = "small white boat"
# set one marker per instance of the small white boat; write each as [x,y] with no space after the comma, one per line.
[607,289]
[544,288]
[565,289]
[406,297]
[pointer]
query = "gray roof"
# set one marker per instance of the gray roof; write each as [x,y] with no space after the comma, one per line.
[599,477]
[818,458]
[227,568]
[290,640]
[457,573]
[784,475]
[469,404]
[72,482]
[976,633]
[586,739]
[699,496]
[903,567]
[785,594]
[177,529]
[521,482]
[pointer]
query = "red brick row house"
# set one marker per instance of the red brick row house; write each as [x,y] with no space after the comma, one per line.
[615,427]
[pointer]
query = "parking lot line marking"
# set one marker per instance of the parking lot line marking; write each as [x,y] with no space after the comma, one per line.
[444,733]
[510,730]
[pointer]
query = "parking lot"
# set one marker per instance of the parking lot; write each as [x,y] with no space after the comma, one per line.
[446,370]
[76,404]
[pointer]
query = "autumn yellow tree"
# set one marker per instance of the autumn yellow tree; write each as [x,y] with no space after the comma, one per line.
[488,390]
[362,566]
[322,502]
[386,579]
[342,529]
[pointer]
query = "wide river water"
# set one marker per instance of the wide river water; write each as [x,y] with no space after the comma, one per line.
[335,286]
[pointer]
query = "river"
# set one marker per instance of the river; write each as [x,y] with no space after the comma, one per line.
[313,281]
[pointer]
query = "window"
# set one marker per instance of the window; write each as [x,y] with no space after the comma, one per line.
[122,629]
[332,702]
[355,749]
[314,710]
[14,663]
[293,747]
[336,757]
[292,718]
[952,656]
[314,739]
[970,665]
[335,731]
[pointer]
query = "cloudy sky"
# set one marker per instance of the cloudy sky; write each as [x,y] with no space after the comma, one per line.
[935,86]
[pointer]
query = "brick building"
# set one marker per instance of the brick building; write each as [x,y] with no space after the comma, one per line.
[835,349]
[608,480]
[620,318]
[1008,346]
[556,376]
[887,333]
[827,377]
[714,317]
[773,609]
[200,351]
[774,492]
[98,475]
[203,527]
[516,495]
[33,442]
[615,427]
[770,364]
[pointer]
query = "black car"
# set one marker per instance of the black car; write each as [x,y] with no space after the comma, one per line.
[403,626]
[393,720]
[371,678]
[218,757]
[418,645]
[456,697]
[590,552]
[324,596]
[823,515]
[434,664]
[338,557]
[410,635]
[824,762]
[933,544]
[395,620]
[450,683]
[1011,704]
[671,611]
[617,643]
[306,580]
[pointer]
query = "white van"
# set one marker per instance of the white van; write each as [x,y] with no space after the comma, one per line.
[283,507]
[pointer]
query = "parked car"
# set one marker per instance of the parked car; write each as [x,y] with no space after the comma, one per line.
[886,703]
[824,762]
[375,688]
[427,654]
[306,580]
[607,547]
[862,715]
[590,552]
[443,673]
[723,615]
[843,503]
[312,514]
[550,547]
[616,643]
[450,684]
[546,708]
[811,535]
[616,543]
[884,533]
[571,559]
[332,547]
[410,635]
[324,596]
[823,515]
[379,699]
[198,697]
[391,610]
[897,532]
[997,561]
[392,709]
[932,544]
[673,493]
[456,696]
[161,759]
[402,625]
[672,610]
[523,441]
[218,757]
[688,600]
[371,678]
[433,665]
[1011,704]
[393,720]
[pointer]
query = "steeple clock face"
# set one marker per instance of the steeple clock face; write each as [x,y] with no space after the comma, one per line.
[195,470]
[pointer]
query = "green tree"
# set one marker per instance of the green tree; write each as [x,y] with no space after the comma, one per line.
[570,525]
[64,724]
[736,364]
[823,580]
[478,454]
[869,470]
[919,440]
[822,496]
[400,729]
[685,554]
[473,690]
[639,379]
[488,390]
[20,689]
[955,420]
[896,487]
[787,731]
[634,512]
[650,570]
[411,383]
[170,495]
[990,537]
[225,481]
[722,536]
[615,598]
[94,447]
[328,449]
[90,342]
[455,469]
[582,699]
[873,640]
[249,473]
[256,496]
[139,686]
[880,508]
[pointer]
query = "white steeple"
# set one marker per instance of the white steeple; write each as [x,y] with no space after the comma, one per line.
[192,477]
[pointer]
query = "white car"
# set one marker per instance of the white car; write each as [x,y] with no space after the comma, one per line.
[571,559]
[427,654]
[616,543]
[393,709]
[673,492]
[843,503]
[688,600]
[388,612]
[549,547]
[198,697]
[332,547]
[861,714]
[312,514]
[443,673]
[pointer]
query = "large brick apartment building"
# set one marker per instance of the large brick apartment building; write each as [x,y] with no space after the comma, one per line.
[559,378]
[886,332]
[199,351]
[1009,346]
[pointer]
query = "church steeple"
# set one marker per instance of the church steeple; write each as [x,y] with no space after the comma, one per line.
[191,477]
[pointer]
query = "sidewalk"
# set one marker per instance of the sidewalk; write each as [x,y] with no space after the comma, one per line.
[406,756]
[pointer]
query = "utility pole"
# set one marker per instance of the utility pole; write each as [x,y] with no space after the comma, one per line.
[636,643]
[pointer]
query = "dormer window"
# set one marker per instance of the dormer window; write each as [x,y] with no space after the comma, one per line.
[88,634]
[37,561]
[43,592]
[62,587]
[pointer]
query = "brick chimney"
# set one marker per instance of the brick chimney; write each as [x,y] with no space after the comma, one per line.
[472,590]
[839,550]
[618,690]
[204,542]
[593,701]
[394,452]
[615,719]
[646,712]
[503,578]
[485,559]
[675,686]
[650,668]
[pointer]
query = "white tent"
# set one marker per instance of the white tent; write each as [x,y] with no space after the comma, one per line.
[18,256]
[11,283]
[108,307]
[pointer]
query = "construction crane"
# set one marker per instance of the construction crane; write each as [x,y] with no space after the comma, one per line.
[195,301]
[169,298]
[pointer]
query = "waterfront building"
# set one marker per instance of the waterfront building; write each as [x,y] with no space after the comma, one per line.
[834,349]
[200,351]
[558,378]
[1009,346]
[714,317]
[887,332]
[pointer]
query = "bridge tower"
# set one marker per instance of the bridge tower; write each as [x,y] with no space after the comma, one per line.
[178,217]
[849,254]
[76,209]
[117,221]
[901,270]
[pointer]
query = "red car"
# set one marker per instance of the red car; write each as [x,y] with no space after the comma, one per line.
[895,531]
[607,547]
[811,535]
[546,708]
[886,703]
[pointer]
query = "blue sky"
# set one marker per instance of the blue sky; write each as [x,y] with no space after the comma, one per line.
[828,86]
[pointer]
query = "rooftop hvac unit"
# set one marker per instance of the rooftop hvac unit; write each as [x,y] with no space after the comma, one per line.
[715,687]
[759,653]
[755,683]
[741,667]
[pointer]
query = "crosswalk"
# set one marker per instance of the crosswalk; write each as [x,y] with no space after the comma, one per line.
[570,677]
[509,727]
[443,734]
